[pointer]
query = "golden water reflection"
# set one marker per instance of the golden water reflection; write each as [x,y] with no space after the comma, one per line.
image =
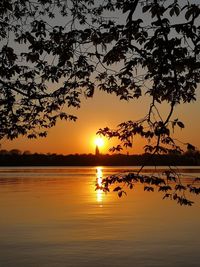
[56,216]
[99,192]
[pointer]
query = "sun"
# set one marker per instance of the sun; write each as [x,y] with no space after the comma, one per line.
[99,142]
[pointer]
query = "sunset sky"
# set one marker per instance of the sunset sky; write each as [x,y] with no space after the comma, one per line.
[100,111]
[69,196]
[106,110]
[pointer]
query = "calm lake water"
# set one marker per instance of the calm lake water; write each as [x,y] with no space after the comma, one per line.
[52,216]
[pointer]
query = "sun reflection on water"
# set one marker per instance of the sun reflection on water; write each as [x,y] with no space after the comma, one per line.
[99,175]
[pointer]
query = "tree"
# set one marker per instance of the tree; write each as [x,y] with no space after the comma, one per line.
[15,152]
[54,51]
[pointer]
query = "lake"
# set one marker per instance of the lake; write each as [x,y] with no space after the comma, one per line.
[52,216]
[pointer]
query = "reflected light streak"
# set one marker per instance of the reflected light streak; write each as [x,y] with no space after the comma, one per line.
[99,175]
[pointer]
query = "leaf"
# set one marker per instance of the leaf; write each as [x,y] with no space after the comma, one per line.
[43,134]
[146,8]
[167,196]
[131,186]
[30,136]
[190,147]
[172,11]
[180,124]
[164,188]
[148,188]
[180,187]
[194,190]
[117,148]
[120,193]
[117,188]
[177,10]
[188,14]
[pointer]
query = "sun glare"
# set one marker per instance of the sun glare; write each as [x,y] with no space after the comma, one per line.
[99,175]
[99,142]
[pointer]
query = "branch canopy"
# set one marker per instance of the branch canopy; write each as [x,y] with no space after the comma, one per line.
[54,51]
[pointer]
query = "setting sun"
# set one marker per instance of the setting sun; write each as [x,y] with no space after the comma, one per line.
[99,141]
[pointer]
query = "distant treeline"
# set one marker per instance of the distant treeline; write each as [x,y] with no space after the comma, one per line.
[17,158]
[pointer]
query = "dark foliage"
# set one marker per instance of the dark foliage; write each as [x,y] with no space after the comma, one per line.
[169,183]
[15,157]
[54,51]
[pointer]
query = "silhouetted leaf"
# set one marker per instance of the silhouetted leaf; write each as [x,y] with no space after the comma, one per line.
[120,193]
[190,147]
[164,188]
[180,187]
[117,188]
[148,188]
[180,124]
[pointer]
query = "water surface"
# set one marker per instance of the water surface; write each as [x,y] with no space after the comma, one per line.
[51,216]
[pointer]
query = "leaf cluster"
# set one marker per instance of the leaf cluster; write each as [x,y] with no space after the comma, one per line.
[169,184]
[53,52]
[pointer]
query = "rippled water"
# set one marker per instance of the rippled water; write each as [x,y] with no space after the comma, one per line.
[53,217]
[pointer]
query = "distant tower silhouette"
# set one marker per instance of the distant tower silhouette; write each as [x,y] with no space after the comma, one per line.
[97,151]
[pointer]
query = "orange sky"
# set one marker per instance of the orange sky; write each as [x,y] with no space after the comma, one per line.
[100,111]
